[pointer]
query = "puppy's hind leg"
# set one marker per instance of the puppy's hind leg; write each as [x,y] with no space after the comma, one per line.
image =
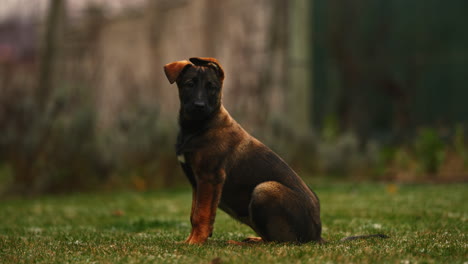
[279,214]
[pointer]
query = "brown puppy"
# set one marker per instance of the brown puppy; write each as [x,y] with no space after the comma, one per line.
[229,168]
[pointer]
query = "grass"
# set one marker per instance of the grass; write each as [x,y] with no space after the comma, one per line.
[427,224]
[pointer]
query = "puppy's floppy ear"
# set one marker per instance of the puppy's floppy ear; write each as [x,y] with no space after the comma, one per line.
[174,69]
[212,62]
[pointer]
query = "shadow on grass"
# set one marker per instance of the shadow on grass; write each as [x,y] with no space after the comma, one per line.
[141,224]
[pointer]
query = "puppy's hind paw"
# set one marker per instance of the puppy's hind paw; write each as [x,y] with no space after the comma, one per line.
[253,240]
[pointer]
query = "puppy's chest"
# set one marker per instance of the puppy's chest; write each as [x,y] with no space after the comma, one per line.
[186,161]
[199,162]
[188,170]
[181,159]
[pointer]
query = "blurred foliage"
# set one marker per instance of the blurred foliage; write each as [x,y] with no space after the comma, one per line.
[330,129]
[460,144]
[427,156]
[140,147]
[69,152]
[50,150]
[429,150]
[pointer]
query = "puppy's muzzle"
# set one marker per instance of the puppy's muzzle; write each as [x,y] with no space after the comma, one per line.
[197,109]
[199,105]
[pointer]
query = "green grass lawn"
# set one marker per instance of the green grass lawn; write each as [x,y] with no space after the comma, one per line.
[426,223]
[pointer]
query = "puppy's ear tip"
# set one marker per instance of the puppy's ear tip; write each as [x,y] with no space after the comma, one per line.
[174,69]
[169,75]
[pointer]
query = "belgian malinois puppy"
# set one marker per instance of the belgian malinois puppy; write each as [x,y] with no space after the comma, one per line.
[230,169]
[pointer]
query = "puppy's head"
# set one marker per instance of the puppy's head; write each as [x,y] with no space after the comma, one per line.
[199,81]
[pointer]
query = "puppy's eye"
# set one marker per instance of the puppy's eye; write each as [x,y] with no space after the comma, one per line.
[190,84]
[212,86]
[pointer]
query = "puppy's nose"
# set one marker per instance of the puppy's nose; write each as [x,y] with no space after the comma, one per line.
[199,104]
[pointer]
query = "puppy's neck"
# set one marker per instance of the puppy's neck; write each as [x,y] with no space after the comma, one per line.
[190,126]
[190,130]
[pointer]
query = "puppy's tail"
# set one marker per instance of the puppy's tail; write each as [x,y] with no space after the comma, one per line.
[363,237]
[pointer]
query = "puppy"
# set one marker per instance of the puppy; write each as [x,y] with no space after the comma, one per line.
[230,169]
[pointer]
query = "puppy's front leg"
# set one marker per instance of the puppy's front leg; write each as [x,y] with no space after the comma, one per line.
[192,210]
[207,195]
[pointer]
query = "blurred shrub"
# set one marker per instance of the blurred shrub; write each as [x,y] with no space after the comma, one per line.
[330,130]
[62,149]
[385,156]
[460,144]
[139,145]
[429,150]
[341,154]
[51,149]
[428,157]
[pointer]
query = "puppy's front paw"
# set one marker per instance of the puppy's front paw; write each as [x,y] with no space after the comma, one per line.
[194,240]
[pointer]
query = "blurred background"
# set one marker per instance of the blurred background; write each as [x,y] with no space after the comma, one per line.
[342,89]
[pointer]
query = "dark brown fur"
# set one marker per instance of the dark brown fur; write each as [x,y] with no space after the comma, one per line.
[229,168]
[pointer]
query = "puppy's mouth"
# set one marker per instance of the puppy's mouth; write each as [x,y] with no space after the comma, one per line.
[197,113]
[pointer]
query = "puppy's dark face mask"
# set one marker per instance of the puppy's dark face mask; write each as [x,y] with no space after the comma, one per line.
[199,92]
[200,83]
